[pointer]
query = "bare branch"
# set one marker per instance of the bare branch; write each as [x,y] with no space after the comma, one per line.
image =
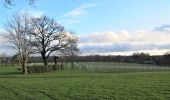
[8,3]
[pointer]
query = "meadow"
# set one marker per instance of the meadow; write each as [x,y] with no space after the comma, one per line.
[88,81]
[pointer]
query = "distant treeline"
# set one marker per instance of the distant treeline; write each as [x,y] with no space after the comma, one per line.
[142,58]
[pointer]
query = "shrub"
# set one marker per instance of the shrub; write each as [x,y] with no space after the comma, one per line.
[42,69]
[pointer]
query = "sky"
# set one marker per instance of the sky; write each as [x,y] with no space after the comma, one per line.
[106,27]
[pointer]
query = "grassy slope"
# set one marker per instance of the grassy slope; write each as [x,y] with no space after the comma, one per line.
[77,85]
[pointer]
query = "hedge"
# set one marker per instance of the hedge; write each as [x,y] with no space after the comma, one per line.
[42,69]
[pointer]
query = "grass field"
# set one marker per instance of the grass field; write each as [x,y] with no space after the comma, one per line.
[84,85]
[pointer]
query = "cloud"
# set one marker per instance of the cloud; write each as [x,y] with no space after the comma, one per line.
[127,53]
[80,11]
[105,37]
[124,41]
[90,49]
[163,28]
[138,37]
[77,14]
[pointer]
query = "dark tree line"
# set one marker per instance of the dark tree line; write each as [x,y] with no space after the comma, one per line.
[140,58]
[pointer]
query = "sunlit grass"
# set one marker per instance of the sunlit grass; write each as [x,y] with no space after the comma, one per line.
[84,85]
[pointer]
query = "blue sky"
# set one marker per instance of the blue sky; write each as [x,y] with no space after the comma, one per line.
[101,15]
[117,19]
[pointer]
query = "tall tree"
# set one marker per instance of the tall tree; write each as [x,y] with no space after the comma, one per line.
[48,36]
[17,36]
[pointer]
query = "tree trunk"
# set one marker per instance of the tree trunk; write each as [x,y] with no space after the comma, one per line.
[55,60]
[2,61]
[72,63]
[44,59]
[24,67]
[62,68]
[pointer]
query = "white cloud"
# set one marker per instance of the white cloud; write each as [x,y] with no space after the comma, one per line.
[124,42]
[77,14]
[127,53]
[108,37]
[80,11]
[135,38]
[163,28]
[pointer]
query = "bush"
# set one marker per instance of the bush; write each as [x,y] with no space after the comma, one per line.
[42,69]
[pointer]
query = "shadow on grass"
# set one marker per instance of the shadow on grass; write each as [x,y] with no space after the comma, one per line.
[52,77]
[11,73]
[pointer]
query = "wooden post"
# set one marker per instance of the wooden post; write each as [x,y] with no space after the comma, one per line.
[2,62]
[55,60]
[62,62]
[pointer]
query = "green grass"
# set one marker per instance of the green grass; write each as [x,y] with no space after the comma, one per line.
[83,85]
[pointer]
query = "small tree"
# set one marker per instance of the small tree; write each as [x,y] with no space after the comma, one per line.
[72,49]
[165,60]
[17,36]
[141,57]
[48,36]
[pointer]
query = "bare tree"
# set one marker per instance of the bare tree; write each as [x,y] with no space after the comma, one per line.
[48,36]
[72,49]
[17,36]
